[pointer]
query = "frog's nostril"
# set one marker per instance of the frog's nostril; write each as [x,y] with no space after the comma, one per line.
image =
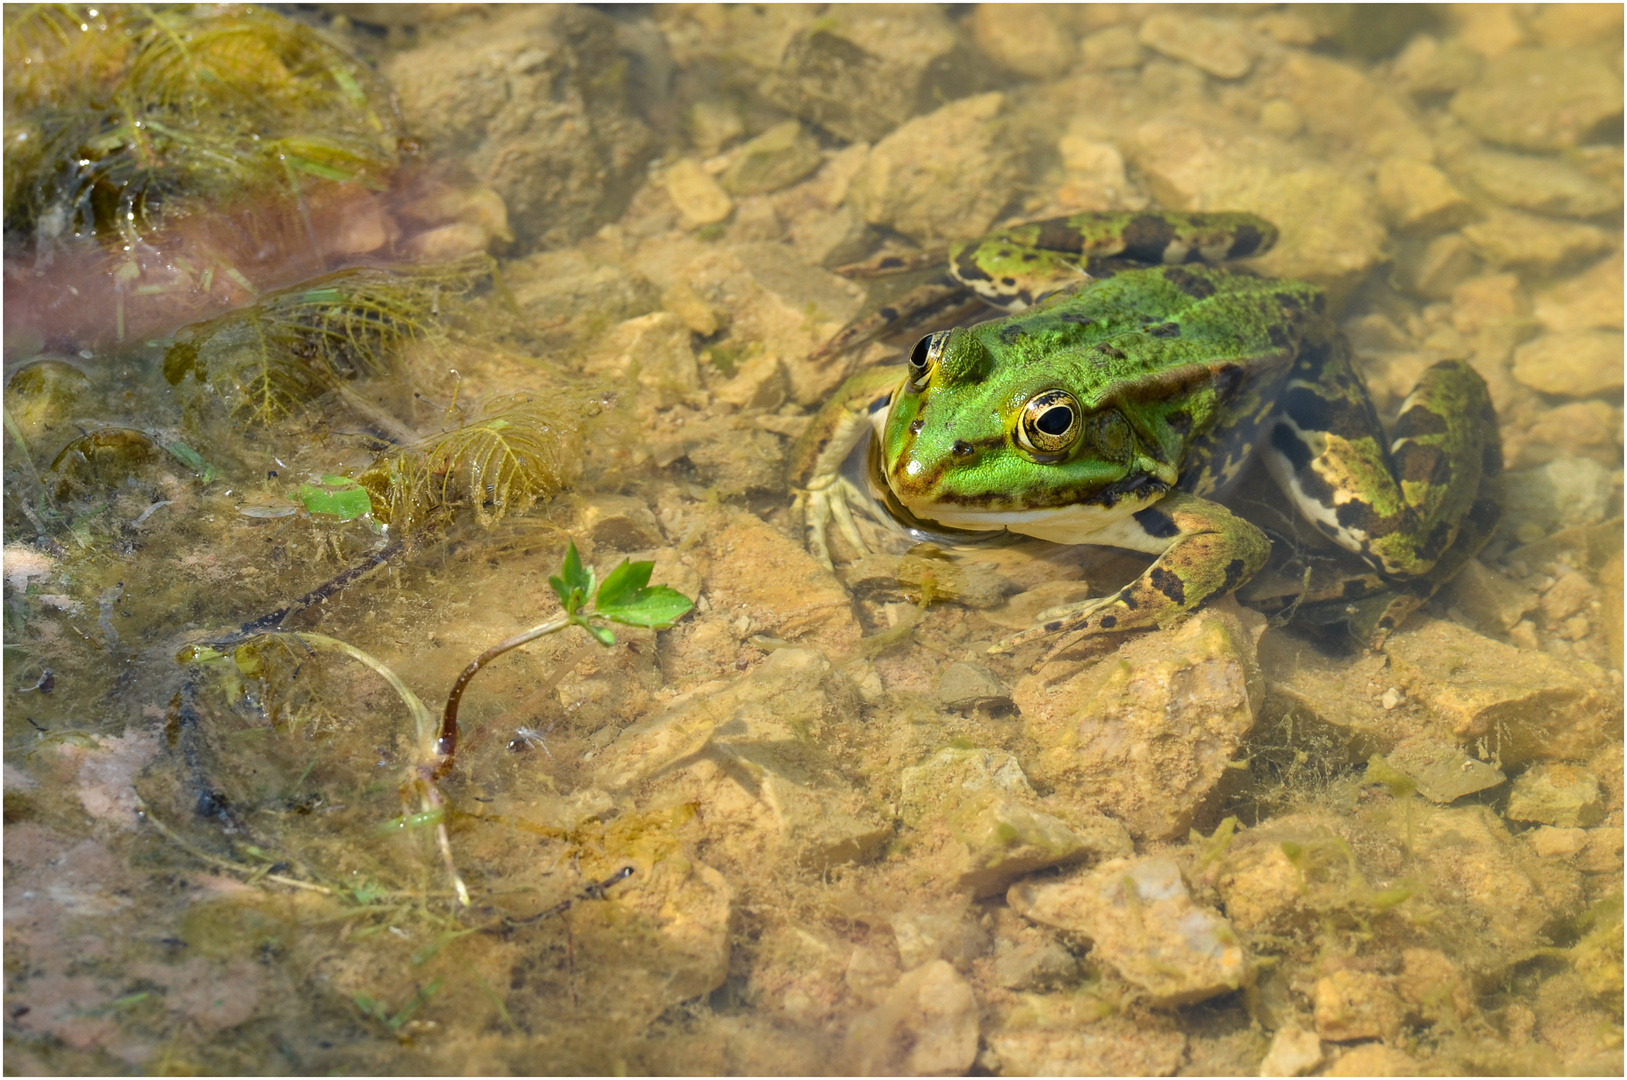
[962,448]
[916,426]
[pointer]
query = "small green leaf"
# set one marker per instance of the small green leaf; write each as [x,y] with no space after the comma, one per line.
[339,496]
[575,584]
[658,608]
[602,633]
[192,460]
[623,582]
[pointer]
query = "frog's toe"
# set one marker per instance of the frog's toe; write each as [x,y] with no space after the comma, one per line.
[1066,623]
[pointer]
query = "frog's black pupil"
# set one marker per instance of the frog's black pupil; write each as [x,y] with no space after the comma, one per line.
[1055,420]
[918,354]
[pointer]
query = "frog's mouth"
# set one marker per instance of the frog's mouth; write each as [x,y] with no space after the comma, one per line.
[1074,524]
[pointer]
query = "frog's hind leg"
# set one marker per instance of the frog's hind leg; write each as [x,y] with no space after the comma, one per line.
[1416,506]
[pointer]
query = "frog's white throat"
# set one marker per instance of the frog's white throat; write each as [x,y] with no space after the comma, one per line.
[1079,523]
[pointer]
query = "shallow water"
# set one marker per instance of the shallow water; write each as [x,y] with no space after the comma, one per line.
[814,827]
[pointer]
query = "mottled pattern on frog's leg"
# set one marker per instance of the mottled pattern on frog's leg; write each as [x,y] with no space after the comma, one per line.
[1400,505]
[1207,552]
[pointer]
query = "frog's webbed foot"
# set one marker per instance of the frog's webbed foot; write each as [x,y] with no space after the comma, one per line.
[824,504]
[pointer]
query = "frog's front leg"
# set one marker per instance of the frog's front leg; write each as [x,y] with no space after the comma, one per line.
[1204,552]
[814,466]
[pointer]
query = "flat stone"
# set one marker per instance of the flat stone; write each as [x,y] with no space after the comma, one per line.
[1556,794]
[1540,99]
[1143,923]
[1026,38]
[519,99]
[1551,842]
[658,345]
[1443,772]
[1542,245]
[1440,266]
[942,175]
[1342,104]
[620,522]
[924,936]
[1489,598]
[1111,49]
[1352,1005]
[1036,964]
[979,820]
[1372,1059]
[1219,46]
[776,159]
[1427,66]
[1145,734]
[1566,493]
[865,69]
[1494,896]
[926,1026]
[1544,184]
[964,685]
[699,198]
[1519,704]
[1293,1052]
[1419,197]
[1591,299]
[1575,363]
[1066,1034]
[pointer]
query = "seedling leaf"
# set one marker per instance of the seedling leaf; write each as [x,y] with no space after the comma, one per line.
[339,496]
[657,608]
[574,584]
[624,582]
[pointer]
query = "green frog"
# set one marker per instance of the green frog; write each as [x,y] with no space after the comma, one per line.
[1126,391]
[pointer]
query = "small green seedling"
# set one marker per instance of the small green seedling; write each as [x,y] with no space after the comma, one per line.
[625,597]
[339,496]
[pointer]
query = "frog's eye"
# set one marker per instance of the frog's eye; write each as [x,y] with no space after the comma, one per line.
[1049,425]
[926,354]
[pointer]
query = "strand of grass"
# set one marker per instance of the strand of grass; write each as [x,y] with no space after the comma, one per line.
[447,745]
[443,841]
[251,874]
[422,719]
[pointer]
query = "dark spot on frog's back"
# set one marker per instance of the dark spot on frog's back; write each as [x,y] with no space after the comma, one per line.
[1146,237]
[966,268]
[1228,377]
[1075,317]
[1107,622]
[1110,352]
[1245,243]
[1192,284]
[1165,330]
[1168,583]
[1234,574]
[1179,421]
[1010,335]
[1057,235]
[1419,421]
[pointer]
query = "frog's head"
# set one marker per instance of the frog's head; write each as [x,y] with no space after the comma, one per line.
[989,433]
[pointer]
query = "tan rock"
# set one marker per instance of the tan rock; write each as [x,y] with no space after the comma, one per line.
[1352,1005]
[942,175]
[1293,1052]
[753,570]
[1542,245]
[1426,65]
[1490,30]
[976,813]
[699,198]
[1419,197]
[1521,705]
[1552,842]
[1489,598]
[1433,985]
[1578,363]
[1591,299]
[1585,428]
[1026,38]
[1144,923]
[1221,47]
[1110,49]
[776,159]
[1145,734]
[1078,1034]
[657,346]
[1439,267]
[1546,185]
[1566,25]
[1341,103]
[1372,1059]
[1540,99]
[1556,794]
[926,1026]
[1493,895]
